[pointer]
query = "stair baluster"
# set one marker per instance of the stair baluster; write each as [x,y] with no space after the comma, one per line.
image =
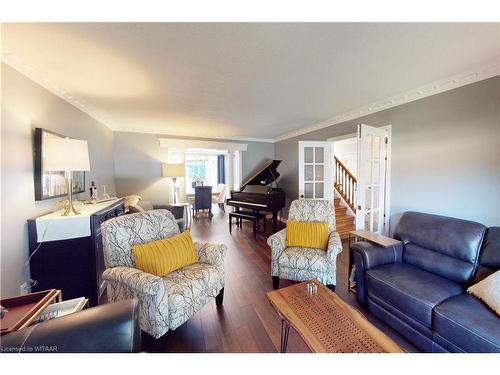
[345,184]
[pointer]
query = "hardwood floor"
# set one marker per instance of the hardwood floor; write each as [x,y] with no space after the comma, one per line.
[246,322]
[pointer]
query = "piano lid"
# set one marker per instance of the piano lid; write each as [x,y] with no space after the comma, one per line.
[265,176]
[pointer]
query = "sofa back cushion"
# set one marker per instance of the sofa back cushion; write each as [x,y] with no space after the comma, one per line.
[442,245]
[489,258]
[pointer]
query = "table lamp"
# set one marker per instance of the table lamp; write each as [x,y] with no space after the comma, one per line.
[66,155]
[173,171]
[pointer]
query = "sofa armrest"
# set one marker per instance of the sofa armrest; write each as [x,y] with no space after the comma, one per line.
[135,280]
[277,243]
[112,327]
[211,253]
[373,255]
[366,256]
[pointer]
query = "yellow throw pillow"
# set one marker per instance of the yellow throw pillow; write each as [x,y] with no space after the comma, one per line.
[164,256]
[307,234]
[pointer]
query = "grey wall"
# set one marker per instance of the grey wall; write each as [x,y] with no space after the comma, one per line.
[138,159]
[445,153]
[25,106]
[257,154]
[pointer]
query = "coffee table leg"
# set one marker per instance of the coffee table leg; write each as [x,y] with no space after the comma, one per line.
[285,329]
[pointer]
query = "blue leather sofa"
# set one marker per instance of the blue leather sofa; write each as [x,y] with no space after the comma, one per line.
[419,286]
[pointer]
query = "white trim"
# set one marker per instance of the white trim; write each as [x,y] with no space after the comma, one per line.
[387,203]
[482,72]
[195,143]
[35,76]
[342,137]
[188,135]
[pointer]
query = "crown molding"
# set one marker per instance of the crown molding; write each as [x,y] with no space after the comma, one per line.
[480,73]
[188,143]
[169,133]
[34,75]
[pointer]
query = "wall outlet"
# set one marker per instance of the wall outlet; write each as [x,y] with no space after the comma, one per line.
[24,288]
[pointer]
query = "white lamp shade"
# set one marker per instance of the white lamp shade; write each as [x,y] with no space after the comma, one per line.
[173,170]
[65,154]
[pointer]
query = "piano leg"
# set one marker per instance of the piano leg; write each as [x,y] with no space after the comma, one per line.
[275,222]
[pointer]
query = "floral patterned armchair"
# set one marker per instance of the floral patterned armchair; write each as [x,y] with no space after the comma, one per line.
[303,263]
[164,302]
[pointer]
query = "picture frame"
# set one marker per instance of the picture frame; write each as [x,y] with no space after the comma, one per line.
[49,185]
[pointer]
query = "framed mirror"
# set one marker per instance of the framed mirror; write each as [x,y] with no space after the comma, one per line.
[50,185]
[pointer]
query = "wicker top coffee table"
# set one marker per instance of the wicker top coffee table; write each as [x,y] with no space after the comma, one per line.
[326,323]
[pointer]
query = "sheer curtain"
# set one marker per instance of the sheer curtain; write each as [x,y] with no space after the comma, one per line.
[201,168]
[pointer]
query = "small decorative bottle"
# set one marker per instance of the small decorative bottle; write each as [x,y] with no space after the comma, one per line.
[105,195]
[93,191]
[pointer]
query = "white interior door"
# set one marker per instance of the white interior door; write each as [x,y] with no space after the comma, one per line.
[371,178]
[315,170]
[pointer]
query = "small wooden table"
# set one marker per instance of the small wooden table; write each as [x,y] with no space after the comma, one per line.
[23,310]
[326,323]
[372,237]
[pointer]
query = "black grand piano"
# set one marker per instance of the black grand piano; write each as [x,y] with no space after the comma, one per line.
[258,194]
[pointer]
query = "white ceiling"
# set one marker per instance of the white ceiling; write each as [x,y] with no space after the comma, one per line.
[239,80]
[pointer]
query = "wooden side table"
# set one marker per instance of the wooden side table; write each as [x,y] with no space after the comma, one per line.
[33,308]
[23,310]
[372,237]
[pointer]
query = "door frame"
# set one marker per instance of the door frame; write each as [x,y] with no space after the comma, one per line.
[388,167]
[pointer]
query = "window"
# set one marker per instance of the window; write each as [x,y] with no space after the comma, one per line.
[200,169]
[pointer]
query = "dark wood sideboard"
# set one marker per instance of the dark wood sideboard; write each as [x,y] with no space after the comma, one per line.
[74,266]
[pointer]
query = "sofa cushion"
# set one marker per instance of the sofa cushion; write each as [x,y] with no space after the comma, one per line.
[443,245]
[411,290]
[468,324]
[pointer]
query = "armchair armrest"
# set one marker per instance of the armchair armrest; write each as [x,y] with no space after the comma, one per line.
[277,243]
[334,247]
[211,253]
[135,280]
[367,255]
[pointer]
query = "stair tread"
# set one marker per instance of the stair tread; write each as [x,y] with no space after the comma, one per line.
[344,227]
[345,221]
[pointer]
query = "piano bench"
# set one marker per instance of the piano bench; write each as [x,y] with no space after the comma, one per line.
[252,216]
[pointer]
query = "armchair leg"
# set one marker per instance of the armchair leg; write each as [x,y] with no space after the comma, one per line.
[331,287]
[219,298]
[276,282]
